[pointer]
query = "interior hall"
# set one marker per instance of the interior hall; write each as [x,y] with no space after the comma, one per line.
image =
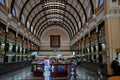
[59,39]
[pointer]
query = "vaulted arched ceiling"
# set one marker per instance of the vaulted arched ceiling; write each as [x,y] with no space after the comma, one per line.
[41,14]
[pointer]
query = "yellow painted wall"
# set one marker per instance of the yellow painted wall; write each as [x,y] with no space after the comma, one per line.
[45,39]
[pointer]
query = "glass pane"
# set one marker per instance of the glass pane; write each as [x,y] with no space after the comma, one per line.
[101,3]
[89,11]
[97,2]
[23,19]
[13,11]
[28,24]
[2,2]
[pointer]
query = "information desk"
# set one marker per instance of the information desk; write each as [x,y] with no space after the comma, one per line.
[37,69]
[57,70]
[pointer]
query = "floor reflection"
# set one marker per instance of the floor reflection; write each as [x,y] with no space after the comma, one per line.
[84,74]
[26,74]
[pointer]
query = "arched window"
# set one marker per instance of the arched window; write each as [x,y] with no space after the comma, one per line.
[34,31]
[101,2]
[89,11]
[37,34]
[83,19]
[23,19]
[74,32]
[6,3]
[115,2]
[119,2]
[28,24]
[79,24]
[76,28]
[97,3]
[31,28]
[15,11]
[2,2]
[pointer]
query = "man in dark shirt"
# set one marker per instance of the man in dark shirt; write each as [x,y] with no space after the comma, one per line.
[115,66]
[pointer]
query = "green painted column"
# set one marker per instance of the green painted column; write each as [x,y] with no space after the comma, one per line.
[5,57]
[16,45]
[22,47]
[90,46]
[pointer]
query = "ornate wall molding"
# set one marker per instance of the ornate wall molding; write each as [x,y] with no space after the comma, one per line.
[47,43]
[54,27]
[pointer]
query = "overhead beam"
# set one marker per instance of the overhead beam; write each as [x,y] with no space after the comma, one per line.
[62,25]
[40,4]
[73,28]
[68,27]
[52,8]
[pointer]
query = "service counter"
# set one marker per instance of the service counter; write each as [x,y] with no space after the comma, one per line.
[57,70]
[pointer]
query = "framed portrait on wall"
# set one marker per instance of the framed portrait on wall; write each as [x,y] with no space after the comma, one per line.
[55,40]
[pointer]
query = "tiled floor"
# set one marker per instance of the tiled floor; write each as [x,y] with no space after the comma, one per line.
[84,74]
[25,74]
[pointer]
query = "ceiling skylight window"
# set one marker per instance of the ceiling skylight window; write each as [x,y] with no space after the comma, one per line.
[28,24]
[53,7]
[79,24]
[31,28]
[23,19]
[2,2]
[54,4]
[101,3]
[54,10]
[55,19]
[89,11]
[54,15]
[13,11]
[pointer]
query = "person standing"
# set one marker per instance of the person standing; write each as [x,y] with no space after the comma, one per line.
[47,72]
[115,66]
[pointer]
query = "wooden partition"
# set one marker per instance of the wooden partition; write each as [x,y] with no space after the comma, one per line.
[59,70]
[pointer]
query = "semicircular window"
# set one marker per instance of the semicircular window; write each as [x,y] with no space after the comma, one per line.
[2,2]
[28,24]
[83,19]
[15,11]
[23,19]
[101,2]
[79,24]
[89,12]
[31,28]
[97,3]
